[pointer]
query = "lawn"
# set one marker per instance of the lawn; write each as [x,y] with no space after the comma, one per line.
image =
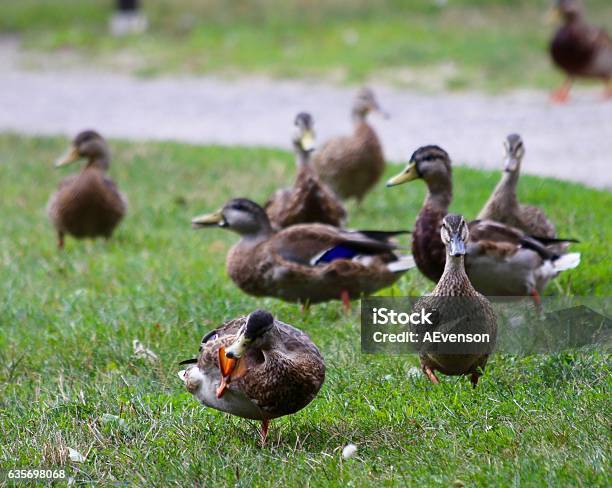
[68,320]
[426,44]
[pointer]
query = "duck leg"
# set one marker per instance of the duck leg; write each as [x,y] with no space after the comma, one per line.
[305,306]
[346,301]
[60,240]
[537,300]
[264,431]
[608,90]
[561,94]
[431,375]
[474,379]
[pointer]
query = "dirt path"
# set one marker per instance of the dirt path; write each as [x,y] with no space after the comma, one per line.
[572,142]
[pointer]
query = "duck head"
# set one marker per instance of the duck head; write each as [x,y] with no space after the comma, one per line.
[430,163]
[365,102]
[303,135]
[241,215]
[89,145]
[251,334]
[455,234]
[515,150]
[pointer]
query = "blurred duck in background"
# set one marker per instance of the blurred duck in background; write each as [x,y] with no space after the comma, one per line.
[257,368]
[309,200]
[500,260]
[579,49]
[305,263]
[352,165]
[503,205]
[87,204]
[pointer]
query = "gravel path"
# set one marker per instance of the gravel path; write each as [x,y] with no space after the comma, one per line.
[572,142]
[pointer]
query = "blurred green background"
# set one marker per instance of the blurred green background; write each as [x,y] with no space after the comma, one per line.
[427,44]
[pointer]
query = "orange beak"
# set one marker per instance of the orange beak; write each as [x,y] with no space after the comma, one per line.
[226,366]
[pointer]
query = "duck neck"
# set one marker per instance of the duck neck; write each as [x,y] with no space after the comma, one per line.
[506,188]
[264,232]
[302,157]
[100,161]
[454,279]
[439,194]
[358,117]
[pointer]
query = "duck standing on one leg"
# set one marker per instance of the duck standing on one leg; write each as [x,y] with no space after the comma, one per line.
[87,204]
[309,200]
[257,368]
[580,49]
[455,299]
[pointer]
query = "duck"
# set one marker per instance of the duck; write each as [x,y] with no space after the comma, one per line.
[501,260]
[352,165]
[579,49]
[87,204]
[309,200]
[305,263]
[457,302]
[255,367]
[503,205]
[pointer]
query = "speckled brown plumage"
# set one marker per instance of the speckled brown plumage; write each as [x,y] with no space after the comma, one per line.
[88,204]
[286,264]
[352,165]
[501,260]
[454,298]
[280,372]
[503,205]
[309,201]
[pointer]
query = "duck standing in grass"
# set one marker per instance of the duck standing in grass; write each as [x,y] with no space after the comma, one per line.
[457,303]
[503,205]
[309,200]
[580,49]
[352,165]
[257,368]
[306,263]
[87,204]
[501,260]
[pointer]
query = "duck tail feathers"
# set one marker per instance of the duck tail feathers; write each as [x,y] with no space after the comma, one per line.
[404,263]
[567,261]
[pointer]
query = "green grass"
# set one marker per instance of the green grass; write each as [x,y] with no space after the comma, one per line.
[490,44]
[68,320]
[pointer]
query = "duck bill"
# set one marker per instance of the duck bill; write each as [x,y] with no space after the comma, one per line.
[307,141]
[456,246]
[70,156]
[511,164]
[208,220]
[409,174]
[238,348]
[226,367]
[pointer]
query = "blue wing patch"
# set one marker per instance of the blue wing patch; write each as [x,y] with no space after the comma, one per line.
[333,253]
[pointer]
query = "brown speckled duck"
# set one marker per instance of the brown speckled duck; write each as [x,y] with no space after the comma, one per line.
[500,261]
[257,368]
[503,205]
[87,204]
[306,263]
[309,200]
[459,309]
[352,165]
[580,49]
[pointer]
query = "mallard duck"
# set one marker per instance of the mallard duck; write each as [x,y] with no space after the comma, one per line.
[309,200]
[87,204]
[503,205]
[501,260]
[580,49]
[257,368]
[456,302]
[352,165]
[306,263]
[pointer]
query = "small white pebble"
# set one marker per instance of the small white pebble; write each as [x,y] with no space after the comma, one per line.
[75,456]
[349,451]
